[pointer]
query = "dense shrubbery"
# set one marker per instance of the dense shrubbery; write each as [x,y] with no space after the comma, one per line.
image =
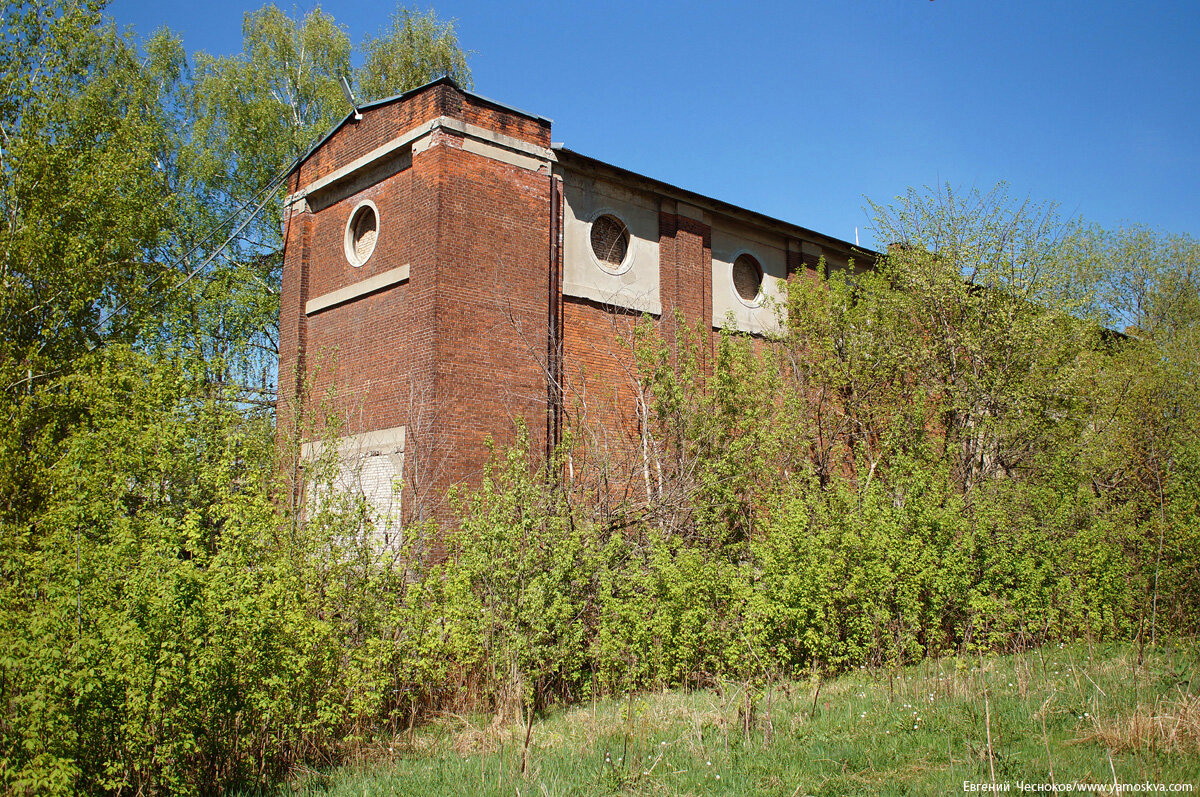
[163,626]
[167,626]
[917,465]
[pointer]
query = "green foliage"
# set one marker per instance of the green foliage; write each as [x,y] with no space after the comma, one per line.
[975,283]
[128,596]
[163,626]
[517,587]
[415,49]
[943,453]
[881,575]
[80,144]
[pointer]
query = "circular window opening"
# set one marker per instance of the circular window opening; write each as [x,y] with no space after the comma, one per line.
[747,278]
[361,233]
[610,241]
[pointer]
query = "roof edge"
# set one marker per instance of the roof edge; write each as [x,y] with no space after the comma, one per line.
[449,81]
[444,80]
[718,205]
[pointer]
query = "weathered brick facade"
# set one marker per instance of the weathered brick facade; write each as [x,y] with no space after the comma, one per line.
[481,301]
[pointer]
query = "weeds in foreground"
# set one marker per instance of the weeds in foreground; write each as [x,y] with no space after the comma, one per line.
[1171,724]
[1067,714]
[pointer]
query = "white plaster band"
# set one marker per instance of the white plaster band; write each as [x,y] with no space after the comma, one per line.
[420,131]
[503,155]
[380,441]
[350,292]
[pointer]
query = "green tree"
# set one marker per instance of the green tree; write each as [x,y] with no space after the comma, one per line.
[162,627]
[252,115]
[1140,449]
[977,277]
[81,144]
[415,49]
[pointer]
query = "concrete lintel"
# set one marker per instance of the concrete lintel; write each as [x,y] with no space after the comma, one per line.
[351,292]
[503,155]
[691,212]
[382,441]
[421,144]
[492,137]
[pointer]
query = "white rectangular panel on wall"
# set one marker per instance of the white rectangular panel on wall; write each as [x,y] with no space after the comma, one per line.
[749,278]
[370,468]
[610,244]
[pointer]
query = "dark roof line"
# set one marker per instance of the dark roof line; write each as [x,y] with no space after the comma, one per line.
[449,81]
[445,80]
[719,205]
[687,195]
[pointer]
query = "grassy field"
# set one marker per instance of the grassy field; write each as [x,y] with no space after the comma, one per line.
[1077,714]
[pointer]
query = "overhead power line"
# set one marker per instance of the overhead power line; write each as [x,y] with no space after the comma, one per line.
[267,190]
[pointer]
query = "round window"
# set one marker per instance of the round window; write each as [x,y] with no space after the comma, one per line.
[747,278]
[361,233]
[610,242]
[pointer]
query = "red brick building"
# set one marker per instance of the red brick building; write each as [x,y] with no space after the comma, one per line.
[448,269]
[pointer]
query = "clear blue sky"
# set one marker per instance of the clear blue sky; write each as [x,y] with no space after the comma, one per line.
[802,110]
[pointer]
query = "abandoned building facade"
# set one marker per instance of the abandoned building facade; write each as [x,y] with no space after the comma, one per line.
[448,270]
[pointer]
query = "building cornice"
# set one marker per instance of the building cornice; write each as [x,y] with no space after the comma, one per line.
[570,160]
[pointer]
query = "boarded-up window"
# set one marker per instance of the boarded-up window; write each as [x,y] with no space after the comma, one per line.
[361,234]
[747,278]
[367,473]
[610,241]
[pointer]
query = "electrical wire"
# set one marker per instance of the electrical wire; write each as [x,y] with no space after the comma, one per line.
[268,189]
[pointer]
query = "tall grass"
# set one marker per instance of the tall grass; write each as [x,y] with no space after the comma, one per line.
[1076,713]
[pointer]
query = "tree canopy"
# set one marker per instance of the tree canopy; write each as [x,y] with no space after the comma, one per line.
[139,278]
[129,166]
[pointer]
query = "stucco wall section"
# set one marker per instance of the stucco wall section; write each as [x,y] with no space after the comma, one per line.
[729,240]
[636,287]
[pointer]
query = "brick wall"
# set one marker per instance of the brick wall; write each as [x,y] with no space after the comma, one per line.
[452,352]
[686,268]
[492,301]
[600,392]
[461,348]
